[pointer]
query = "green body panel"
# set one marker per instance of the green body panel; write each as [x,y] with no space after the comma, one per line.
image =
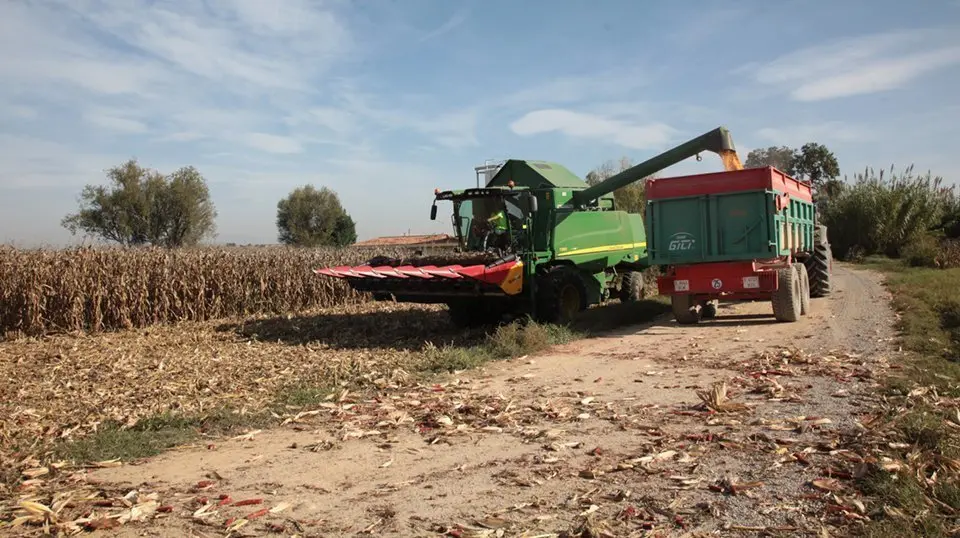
[536,175]
[743,225]
[574,224]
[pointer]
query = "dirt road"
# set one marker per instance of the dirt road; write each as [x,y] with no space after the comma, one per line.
[607,433]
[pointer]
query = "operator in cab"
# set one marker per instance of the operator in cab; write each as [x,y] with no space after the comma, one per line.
[498,224]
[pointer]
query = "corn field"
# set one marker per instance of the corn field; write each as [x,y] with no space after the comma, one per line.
[98,289]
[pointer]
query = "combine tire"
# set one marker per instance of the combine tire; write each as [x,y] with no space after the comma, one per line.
[631,287]
[804,288]
[685,310]
[786,300]
[820,264]
[560,296]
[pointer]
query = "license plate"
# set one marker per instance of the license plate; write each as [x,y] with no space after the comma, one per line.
[751,282]
[681,285]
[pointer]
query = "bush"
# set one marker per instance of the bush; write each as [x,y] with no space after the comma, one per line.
[885,215]
[923,252]
[931,251]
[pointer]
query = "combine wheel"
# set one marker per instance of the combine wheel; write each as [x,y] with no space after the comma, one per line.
[631,287]
[786,300]
[820,264]
[560,296]
[685,309]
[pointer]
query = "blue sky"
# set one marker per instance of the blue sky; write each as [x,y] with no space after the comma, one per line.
[385,100]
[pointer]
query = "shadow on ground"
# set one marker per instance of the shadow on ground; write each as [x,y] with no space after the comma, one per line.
[406,329]
[413,328]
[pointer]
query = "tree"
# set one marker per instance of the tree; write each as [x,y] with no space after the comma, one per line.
[630,198]
[313,217]
[780,158]
[142,206]
[815,163]
[345,231]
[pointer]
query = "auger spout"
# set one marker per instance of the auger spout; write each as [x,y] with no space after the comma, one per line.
[718,141]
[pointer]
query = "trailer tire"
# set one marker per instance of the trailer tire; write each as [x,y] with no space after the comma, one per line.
[631,287]
[560,295]
[709,309]
[804,288]
[685,310]
[786,300]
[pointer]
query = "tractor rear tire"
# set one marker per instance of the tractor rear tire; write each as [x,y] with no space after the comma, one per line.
[804,288]
[786,300]
[560,296]
[820,264]
[685,310]
[631,287]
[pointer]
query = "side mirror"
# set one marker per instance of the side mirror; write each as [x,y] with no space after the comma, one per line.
[533,204]
[433,212]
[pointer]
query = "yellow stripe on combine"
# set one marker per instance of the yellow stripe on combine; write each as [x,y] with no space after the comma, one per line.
[608,248]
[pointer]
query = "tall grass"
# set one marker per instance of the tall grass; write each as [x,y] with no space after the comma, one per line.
[886,213]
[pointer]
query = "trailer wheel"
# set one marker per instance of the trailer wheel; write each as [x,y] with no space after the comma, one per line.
[804,288]
[631,287]
[786,300]
[561,295]
[820,264]
[709,309]
[685,310]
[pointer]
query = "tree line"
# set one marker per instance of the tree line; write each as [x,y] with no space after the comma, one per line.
[140,206]
[891,213]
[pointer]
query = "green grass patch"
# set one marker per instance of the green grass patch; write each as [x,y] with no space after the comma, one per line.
[153,435]
[507,341]
[928,301]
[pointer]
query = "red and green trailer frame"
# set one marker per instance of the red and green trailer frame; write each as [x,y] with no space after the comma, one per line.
[739,235]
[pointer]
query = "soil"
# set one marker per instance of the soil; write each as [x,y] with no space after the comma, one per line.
[602,433]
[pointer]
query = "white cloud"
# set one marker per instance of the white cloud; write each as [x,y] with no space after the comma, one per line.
[336,120]
[580,125]
[272,143]
[858,66]
[206,70]
[826,132]
[30,163]
[448,26]
[22,112]
[454,129]
[878,76]
[115,120]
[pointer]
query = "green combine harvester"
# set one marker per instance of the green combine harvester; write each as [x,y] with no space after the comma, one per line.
[535,240]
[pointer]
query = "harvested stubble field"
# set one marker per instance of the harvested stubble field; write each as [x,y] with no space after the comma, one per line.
[653,431]
[96,289]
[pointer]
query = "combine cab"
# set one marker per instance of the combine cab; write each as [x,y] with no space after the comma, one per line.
[535,240]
